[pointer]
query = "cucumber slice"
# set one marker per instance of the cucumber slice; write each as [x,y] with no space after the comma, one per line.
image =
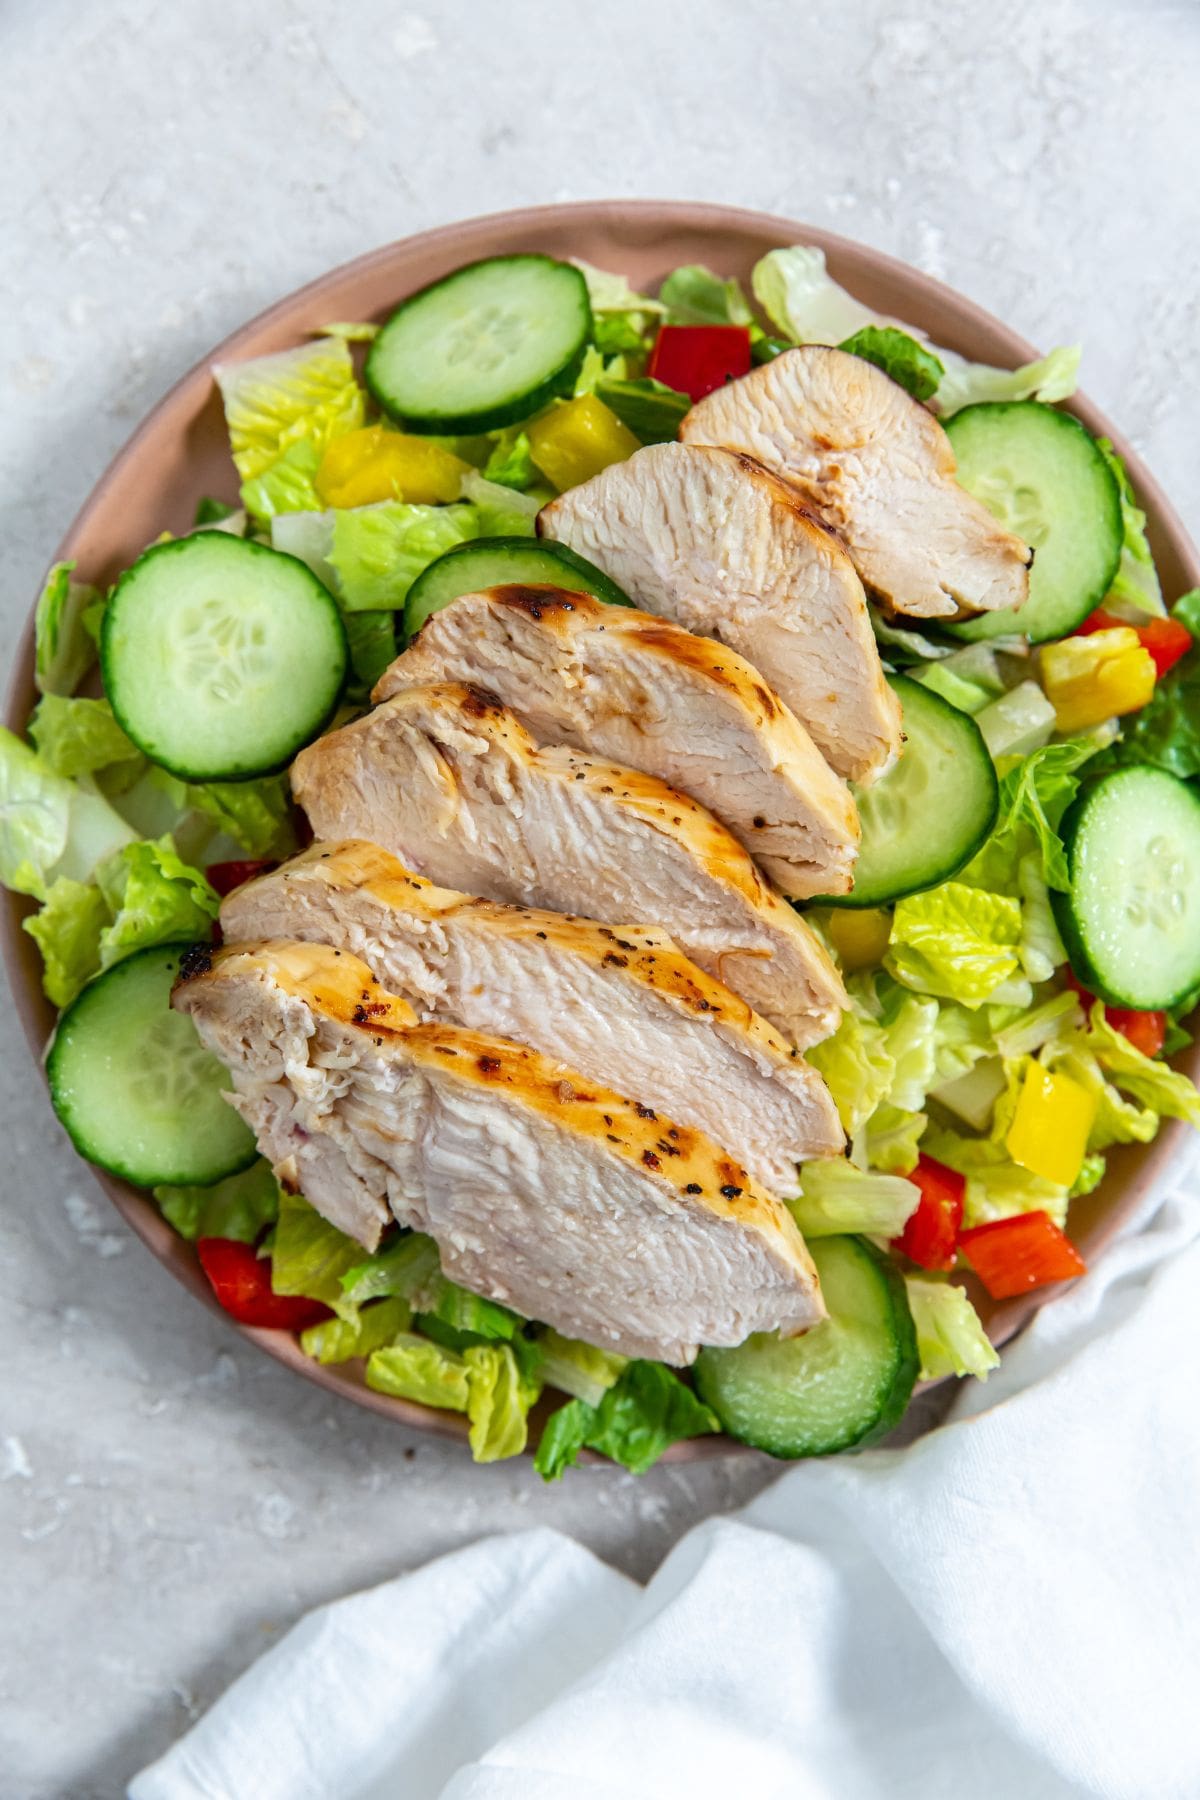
[1043,476]
[1131,921]
[845,1382]
[221,657]
[134,1086]
[483,347]
[933,809]
[499,562]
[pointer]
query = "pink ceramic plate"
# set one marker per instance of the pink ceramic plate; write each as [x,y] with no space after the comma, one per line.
[181,452]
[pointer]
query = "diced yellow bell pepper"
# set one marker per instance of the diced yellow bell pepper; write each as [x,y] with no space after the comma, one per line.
[573,442]
[859,935]
[1049,1132]
[1090,679]
[375,464]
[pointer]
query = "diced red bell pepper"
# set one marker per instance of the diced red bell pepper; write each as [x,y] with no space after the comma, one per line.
[225,876]
[696,359]
[1167,640]
[1011,1256]
[930,1238]
[241,1282]
[1146,1031]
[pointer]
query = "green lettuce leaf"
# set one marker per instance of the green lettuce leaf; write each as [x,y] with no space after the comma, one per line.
[693,295]
[563,1436]
[950,1338]
[309,1256]
[309,395]
[499,1396]
[510,463]
[1050,378]
[35,814]
[1091,1174]
[956,941]
[576,1368]
[1017,722]
[77,737]
[377,552]
[351,331]
[997,1187]
[154,898]
[910,1030]
[1135,584]
[1042,949]
[857,1066]
[465,1312]
[973,1095]
[1166,732]
[64,650]
[240,1207]
[1155,1084]
[287,485]
[255,814]
[66,929]
[836,1197]
[500,511]
[372,642]
[622,319]
[648,1409]
[890,1140]
[412,1368]
[609,293]
[916,369]
[212,512]
[409,1266]
[650,409]
[963,1036]
[337,1340]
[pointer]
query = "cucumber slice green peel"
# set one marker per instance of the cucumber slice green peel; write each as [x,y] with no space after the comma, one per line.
[934,809]
[498,562]
[486,346]
[1044,477]
[221,658]
[135,1088]
[1131,918]
[845,1383]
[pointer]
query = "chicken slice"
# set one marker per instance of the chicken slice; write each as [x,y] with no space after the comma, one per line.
[542,1190]
[453,784]
[877,468]
[621,1004]
[623,684]
[724,547]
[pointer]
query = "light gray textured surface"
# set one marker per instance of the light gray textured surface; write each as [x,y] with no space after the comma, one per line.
[169,1500]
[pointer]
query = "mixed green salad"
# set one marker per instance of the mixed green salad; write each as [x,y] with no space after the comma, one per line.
[1021,949]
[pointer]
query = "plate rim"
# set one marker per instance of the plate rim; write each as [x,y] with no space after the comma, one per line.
[1147,1165]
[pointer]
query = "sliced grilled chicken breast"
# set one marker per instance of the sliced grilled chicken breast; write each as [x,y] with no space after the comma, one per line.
[724,547]
[453,784]
[542,1189]
[877,468]
[621,1004]
[623,684]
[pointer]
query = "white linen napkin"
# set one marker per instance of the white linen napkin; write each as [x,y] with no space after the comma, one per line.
[1008,1607]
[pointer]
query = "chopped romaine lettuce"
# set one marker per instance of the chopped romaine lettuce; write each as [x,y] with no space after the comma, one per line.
[563,1436]
[371,638]
[693,295]
[648,1409]
[64,650]
[835,1197]
[973,1096]
[255,814]
[1166,732]
[499,1396]
[309,1256]
[1091,1174]
[66,929]
[916,369]
[609,293]
[154,898]
[1136,590]
[500,511]
[308,395]
[413,1368]
[857,1066]
[576,1368]
[955,941]
[240,1207]
[350,331]
[510,463]
[1156,1084]
[337,1340]
[408,1267]
[77,737]
[950,1338]
[1034,794]
[1050,378]
[1018,722]
[35,813]
[910,1034]
[968,696]
[650,409]
[890,1140]
[377,552]
[997,1187]
[1042,949]
[287,485]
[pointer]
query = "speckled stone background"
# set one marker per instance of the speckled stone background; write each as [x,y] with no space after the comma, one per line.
[169,1500]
